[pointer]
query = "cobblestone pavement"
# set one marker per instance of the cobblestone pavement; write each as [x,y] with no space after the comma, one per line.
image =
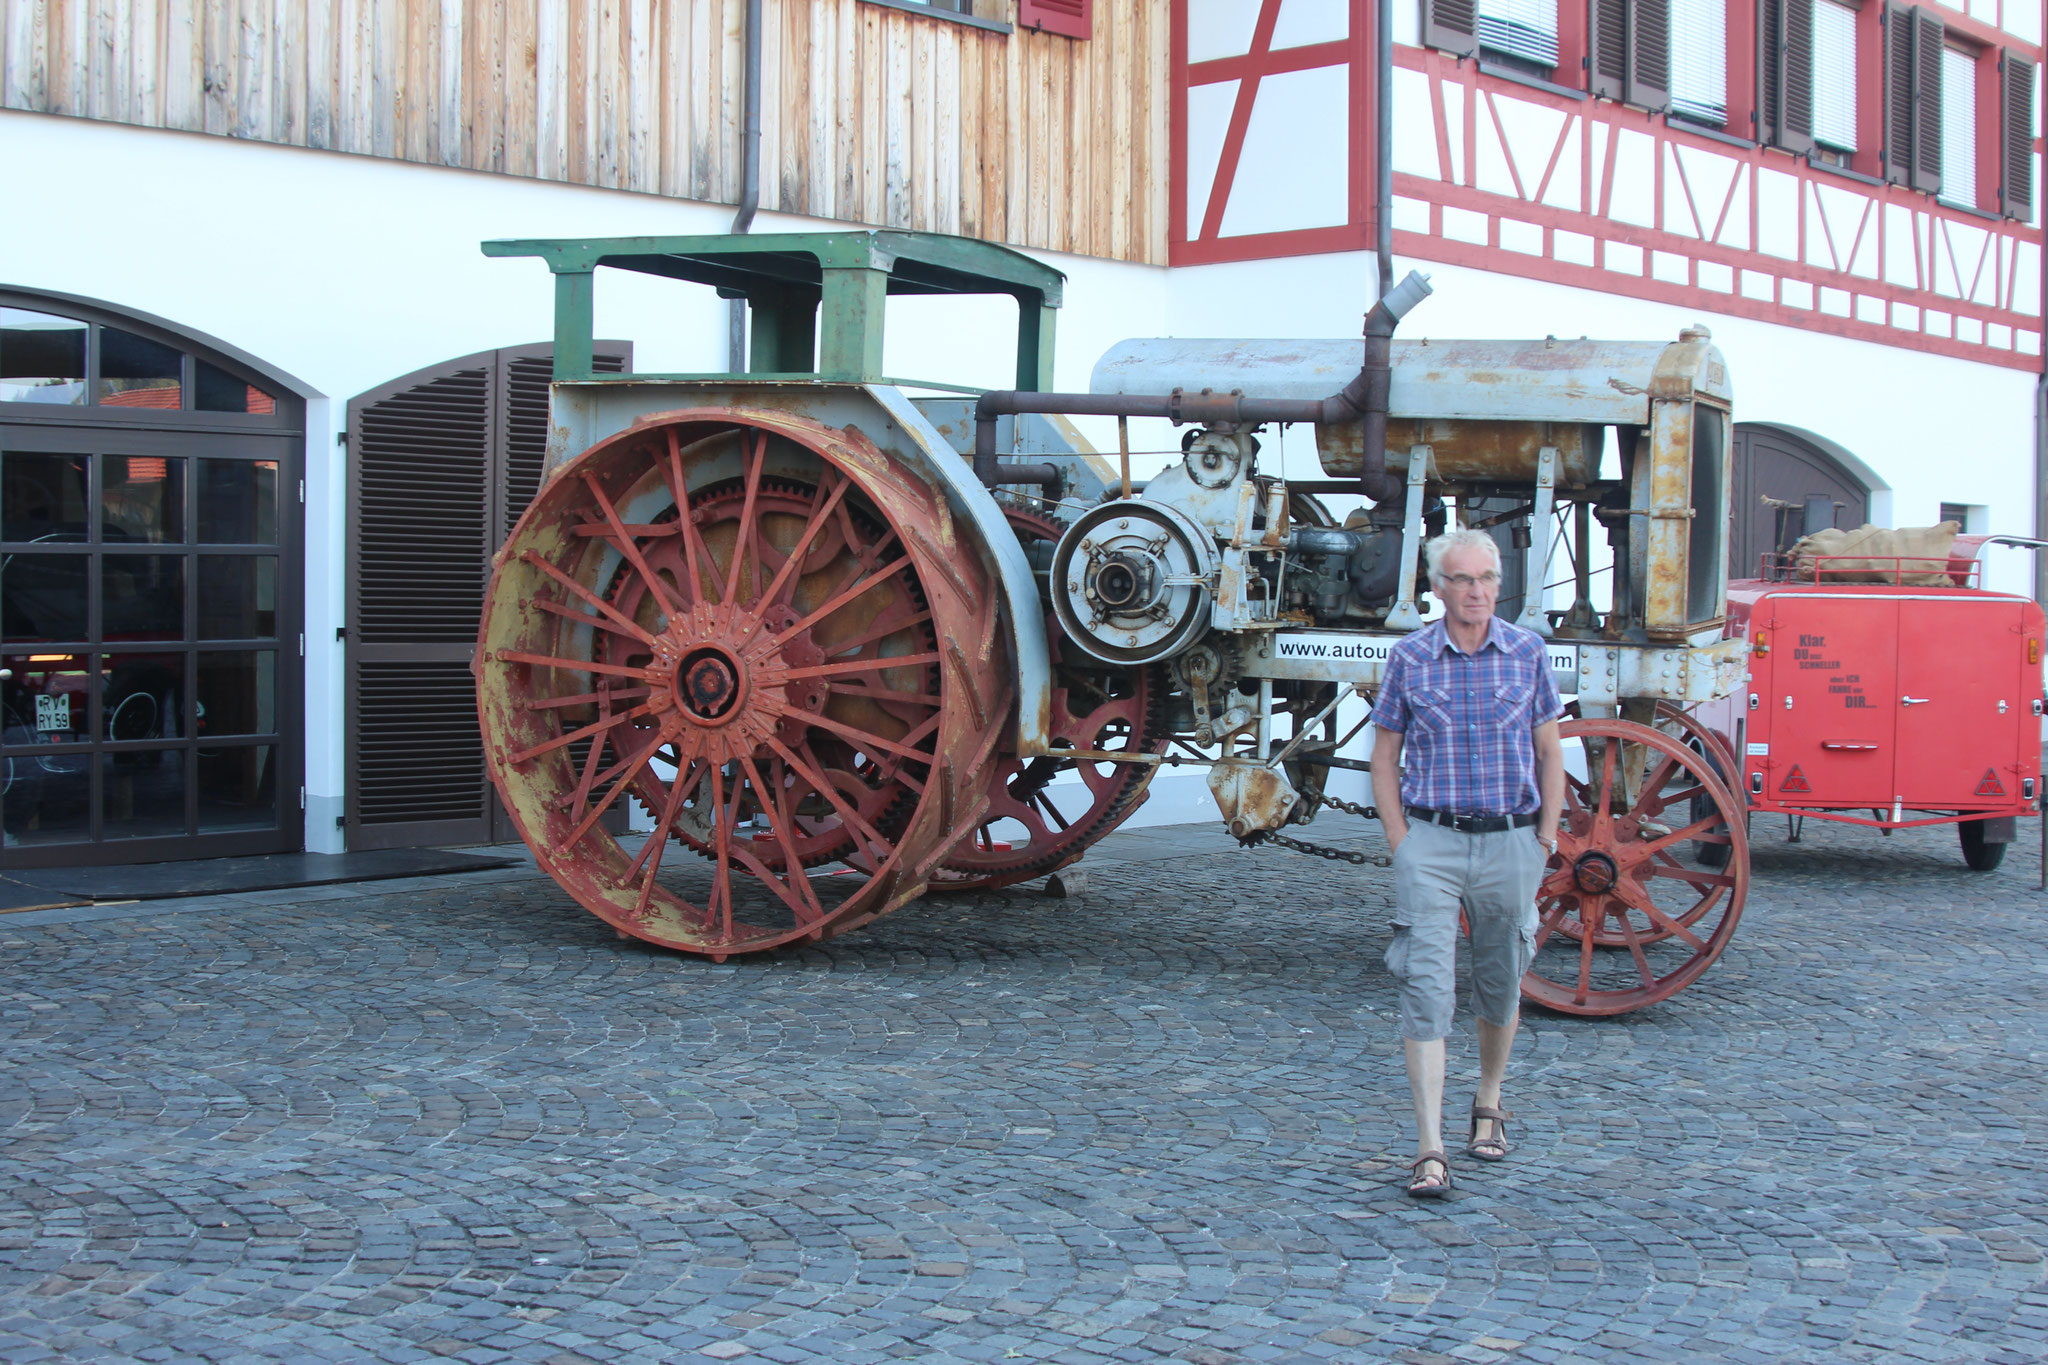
[457,1118]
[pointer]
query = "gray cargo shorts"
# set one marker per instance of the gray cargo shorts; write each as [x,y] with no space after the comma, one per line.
[1494,876]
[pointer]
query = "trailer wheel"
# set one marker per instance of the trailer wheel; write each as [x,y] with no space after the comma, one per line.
[774,638]
[1982,856]
[1616,878]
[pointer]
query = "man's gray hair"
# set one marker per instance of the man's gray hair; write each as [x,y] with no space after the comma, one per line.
[1464,538]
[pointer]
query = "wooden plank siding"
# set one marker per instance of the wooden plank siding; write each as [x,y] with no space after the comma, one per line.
[870,114]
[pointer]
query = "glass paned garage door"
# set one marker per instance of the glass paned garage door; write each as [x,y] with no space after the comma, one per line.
[146,633]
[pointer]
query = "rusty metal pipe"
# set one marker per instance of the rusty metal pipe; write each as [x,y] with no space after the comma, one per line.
[1363,399]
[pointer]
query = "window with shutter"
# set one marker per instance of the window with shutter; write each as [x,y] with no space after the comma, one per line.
[1785,73]
[442,463]
[1607,48]
[1069,18]
[1649,51]
[1959,127]
[1699,59]
[1928,34]
[1834,75]
[1630,53]
[1451,26]
[1524,30]
[2016,136]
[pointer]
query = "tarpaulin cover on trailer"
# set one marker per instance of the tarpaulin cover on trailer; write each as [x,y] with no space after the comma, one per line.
[1913,555]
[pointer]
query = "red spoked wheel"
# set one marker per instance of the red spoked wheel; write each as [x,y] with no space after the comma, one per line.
[1711,848]
[1616,878]
[777,642]
[1033,826]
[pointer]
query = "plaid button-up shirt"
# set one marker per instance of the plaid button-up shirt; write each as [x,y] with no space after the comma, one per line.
[1467,720]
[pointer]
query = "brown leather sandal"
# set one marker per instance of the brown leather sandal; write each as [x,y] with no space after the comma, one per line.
[1494,1148]
[1423,1185]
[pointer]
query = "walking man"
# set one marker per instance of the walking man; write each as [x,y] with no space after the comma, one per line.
[1472,817]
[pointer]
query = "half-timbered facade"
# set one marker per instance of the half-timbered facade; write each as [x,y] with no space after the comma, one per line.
[278,203]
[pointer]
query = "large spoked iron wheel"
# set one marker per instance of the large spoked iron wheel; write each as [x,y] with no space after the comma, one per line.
[1622,922]
[1034,824]
[772,638]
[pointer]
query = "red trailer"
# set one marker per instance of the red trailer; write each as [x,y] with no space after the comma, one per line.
[1899,697]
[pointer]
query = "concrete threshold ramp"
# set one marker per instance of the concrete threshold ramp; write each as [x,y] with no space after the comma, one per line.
[35,888]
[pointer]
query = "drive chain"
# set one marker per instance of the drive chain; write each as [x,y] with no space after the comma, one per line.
[1335,855]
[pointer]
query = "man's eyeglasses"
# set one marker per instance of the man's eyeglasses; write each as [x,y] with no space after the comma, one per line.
[1464,582]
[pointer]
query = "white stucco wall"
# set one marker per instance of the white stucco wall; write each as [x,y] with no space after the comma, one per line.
[348,272]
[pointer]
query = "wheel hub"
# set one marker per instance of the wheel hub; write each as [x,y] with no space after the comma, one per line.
[708,684]
[1595,872]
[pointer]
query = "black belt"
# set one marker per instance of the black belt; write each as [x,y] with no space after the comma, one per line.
[1470,824]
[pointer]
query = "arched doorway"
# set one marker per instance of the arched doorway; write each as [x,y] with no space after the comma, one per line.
[150,592]
[1774,465]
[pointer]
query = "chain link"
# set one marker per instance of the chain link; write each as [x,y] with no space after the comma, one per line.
[1335,855]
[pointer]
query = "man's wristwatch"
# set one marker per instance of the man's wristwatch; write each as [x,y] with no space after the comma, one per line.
[1549,844]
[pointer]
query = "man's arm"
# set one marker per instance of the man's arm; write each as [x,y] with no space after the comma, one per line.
[1549,781]
[1386,784]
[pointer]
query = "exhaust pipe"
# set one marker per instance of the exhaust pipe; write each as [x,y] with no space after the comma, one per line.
[1363,399]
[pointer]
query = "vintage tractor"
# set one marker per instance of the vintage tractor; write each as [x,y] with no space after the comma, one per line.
[843,645]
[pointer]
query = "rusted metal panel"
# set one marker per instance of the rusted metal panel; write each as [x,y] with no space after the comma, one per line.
[1478,451]
[1495,381]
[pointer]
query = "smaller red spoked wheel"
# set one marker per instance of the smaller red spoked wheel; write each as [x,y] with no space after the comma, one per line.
[1655,807]
[1616,878]
[1033,824]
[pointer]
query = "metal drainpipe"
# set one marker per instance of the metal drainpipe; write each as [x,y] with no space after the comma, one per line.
[750,183]
[1383,147]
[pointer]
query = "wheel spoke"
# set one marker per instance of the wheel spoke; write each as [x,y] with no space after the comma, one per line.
[867,739]
[1629,894]
[884,694]
[875,633]
[1609,754]
[588,698]
[872,581]
[1635,949]
[1591,930]
[584,618]
[833,670]
[570,737]
[695,556]
[1044,801]
[811,909]
[664,825]
[821,512]
[721,842]
[1642,852]
[1548,926]
[617,787]
[630,548]
[744,532]
[625,623]
[516,656]
[1663,801]
[1696,878]
[863,831]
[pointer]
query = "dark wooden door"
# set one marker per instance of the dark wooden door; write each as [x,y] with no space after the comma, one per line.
[441,464]
[1778,466]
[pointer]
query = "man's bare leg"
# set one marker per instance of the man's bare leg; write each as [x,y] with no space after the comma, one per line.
[1495,1045]
[1426,1088]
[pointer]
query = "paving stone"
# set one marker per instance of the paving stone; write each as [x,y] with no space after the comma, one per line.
[459,1120]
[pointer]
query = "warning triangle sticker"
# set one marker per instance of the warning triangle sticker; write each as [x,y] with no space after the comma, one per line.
[1795,781]
[1990,786]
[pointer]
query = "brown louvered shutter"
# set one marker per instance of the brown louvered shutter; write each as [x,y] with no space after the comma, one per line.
[2016,136]
[1607,48]
[1451,25]
[1784,35]
[1898,94]
[1068,18]
[441,463]
[1649,51]
[1929,36]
